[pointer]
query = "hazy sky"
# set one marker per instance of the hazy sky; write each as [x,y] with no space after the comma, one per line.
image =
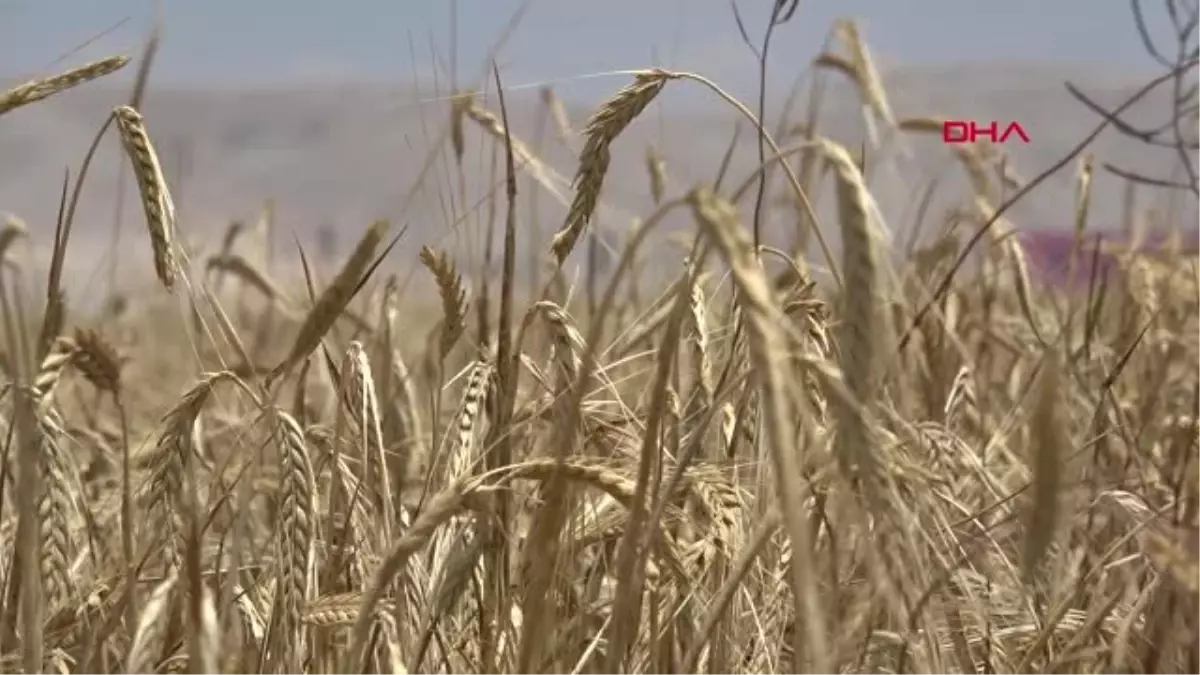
[294,41]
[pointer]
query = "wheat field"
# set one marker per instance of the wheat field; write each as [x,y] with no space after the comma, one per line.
[790,456]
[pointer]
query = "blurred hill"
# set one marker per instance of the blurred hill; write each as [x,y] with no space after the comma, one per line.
[336,157]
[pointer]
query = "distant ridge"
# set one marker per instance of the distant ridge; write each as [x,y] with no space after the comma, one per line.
[343,155]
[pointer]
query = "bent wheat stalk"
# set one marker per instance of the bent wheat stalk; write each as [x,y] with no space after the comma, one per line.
[768,353]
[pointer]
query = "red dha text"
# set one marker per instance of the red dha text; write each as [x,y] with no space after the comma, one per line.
[969,131]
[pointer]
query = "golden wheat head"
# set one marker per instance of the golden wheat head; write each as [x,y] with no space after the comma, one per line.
[156,198]
[36,90]
[602,129]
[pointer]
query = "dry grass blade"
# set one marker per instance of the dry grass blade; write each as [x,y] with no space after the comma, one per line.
[656,169]
[1049,443]
[558,111]
[546,176]
[238,266]
[36,90]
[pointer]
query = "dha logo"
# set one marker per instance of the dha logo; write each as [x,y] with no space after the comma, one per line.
[969,131]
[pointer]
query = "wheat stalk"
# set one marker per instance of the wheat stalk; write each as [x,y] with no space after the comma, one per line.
[768,348]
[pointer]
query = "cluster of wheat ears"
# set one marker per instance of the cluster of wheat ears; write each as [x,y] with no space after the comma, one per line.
[747,469]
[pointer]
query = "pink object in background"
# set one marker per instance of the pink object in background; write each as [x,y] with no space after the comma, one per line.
[1049,252]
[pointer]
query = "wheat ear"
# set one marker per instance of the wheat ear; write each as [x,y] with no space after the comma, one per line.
[333,301]
[861,326]
[453,295]
[36,90]
[602,129]
[152,184]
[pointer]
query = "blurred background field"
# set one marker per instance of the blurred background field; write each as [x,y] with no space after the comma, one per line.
[306,376]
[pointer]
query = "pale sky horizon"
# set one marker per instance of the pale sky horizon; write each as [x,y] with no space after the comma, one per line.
[297,42]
